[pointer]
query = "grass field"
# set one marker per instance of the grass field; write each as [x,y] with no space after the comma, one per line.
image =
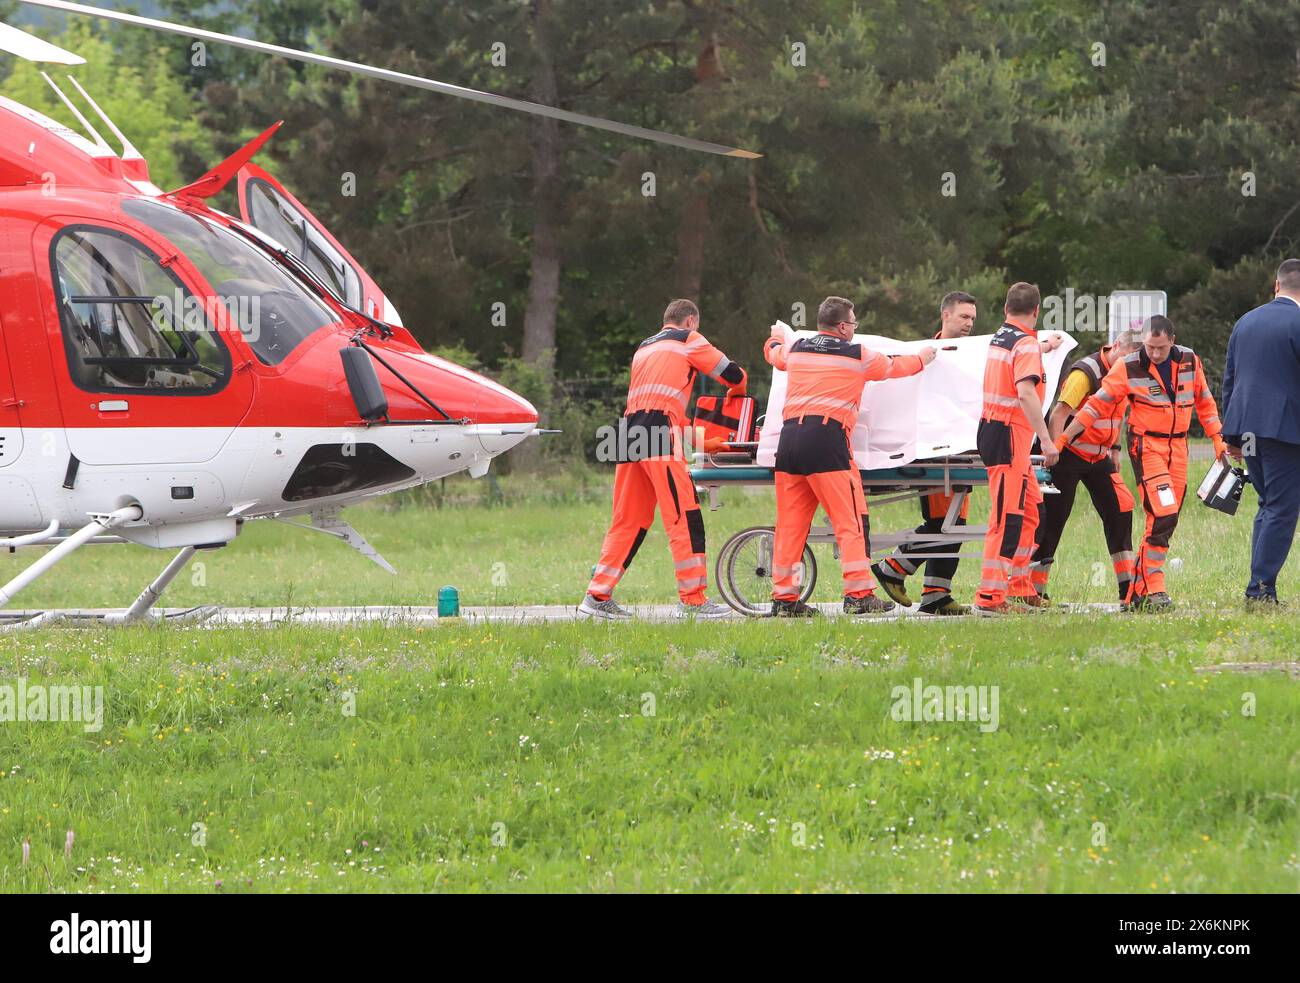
[749,756]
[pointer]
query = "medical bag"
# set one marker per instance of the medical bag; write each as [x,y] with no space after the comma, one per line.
[725,418]
[1222,487]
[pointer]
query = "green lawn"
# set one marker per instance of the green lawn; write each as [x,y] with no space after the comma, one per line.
[749,756]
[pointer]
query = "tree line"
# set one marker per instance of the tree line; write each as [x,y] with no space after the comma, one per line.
[910,148]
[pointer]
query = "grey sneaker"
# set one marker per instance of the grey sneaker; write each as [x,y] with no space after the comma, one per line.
[708,611]
[602,610]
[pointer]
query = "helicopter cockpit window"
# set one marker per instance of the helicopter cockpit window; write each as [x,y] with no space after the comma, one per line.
[273,311]
[128,323]
[270,212]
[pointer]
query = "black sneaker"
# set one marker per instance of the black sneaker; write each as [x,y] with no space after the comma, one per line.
[1049,604]
[1256,602]
[1154,602]
[1039,602]
[893,585]
[867,604]
[793,609]
[947,606]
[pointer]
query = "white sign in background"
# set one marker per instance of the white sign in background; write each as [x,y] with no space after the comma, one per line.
[1131,308]
[933,414]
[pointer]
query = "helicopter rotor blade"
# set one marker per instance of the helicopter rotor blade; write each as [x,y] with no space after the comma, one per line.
[401,78]
[23,45]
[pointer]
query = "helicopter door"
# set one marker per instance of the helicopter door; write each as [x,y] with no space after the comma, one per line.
[144,378]
[11,434]
[267,205]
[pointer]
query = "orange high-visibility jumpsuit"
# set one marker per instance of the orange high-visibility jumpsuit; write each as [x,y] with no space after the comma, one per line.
[1004,440]
[1157,443]
[1087,459]
[652,467]
[814,456]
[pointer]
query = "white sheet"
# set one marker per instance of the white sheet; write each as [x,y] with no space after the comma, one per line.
[933,414]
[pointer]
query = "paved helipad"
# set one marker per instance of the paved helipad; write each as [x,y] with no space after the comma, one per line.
[424,616]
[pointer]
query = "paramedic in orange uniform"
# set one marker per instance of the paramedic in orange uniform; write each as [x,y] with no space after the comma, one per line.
[1090,459]
[1012,416]
[652,467]
[956,320]
[825,376]
[1162,383]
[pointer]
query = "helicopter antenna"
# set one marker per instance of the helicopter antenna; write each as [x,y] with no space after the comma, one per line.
[128,148]
[401,78]
[100,143]
[23,45]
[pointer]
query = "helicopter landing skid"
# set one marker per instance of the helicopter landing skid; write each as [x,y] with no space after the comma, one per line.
[141,608]
[29,621]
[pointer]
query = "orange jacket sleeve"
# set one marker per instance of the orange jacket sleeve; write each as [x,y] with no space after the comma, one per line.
[711,361]
[1207,411]
[1027,361]
[701,355]
[774,352]
[879,366]
[1113,389]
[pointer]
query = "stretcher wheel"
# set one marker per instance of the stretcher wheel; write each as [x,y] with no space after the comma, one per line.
[744,571]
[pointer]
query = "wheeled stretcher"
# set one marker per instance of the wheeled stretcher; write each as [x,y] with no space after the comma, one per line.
[743,568]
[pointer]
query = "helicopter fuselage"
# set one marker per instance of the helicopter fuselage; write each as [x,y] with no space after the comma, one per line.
[129,377]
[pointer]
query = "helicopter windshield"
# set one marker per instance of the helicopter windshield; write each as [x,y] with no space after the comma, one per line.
[272,214]
[274,312]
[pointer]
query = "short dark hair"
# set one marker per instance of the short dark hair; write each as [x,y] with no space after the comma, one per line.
[1125,339]
[1023,298]
[1288,274]
[679,310]
[951,300]
[832,311]
[1158,324]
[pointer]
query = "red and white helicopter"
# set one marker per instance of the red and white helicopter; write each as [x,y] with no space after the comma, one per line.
[168,371]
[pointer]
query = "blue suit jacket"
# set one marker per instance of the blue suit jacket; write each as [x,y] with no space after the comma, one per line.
[1261,380]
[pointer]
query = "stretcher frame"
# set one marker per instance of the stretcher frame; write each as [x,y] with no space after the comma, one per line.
[955,475]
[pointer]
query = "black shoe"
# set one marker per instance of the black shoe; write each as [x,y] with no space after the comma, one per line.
[867,604]
[1039,602]
[1049,604]
[945,607]
[793,609]
[1158,601]
[894,586]
[1260,601]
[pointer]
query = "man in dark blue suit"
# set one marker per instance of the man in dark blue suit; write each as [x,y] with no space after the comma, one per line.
[1261,421]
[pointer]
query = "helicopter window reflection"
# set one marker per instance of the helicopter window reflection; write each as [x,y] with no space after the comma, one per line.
[270,212]
[127,322]
[272,310]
